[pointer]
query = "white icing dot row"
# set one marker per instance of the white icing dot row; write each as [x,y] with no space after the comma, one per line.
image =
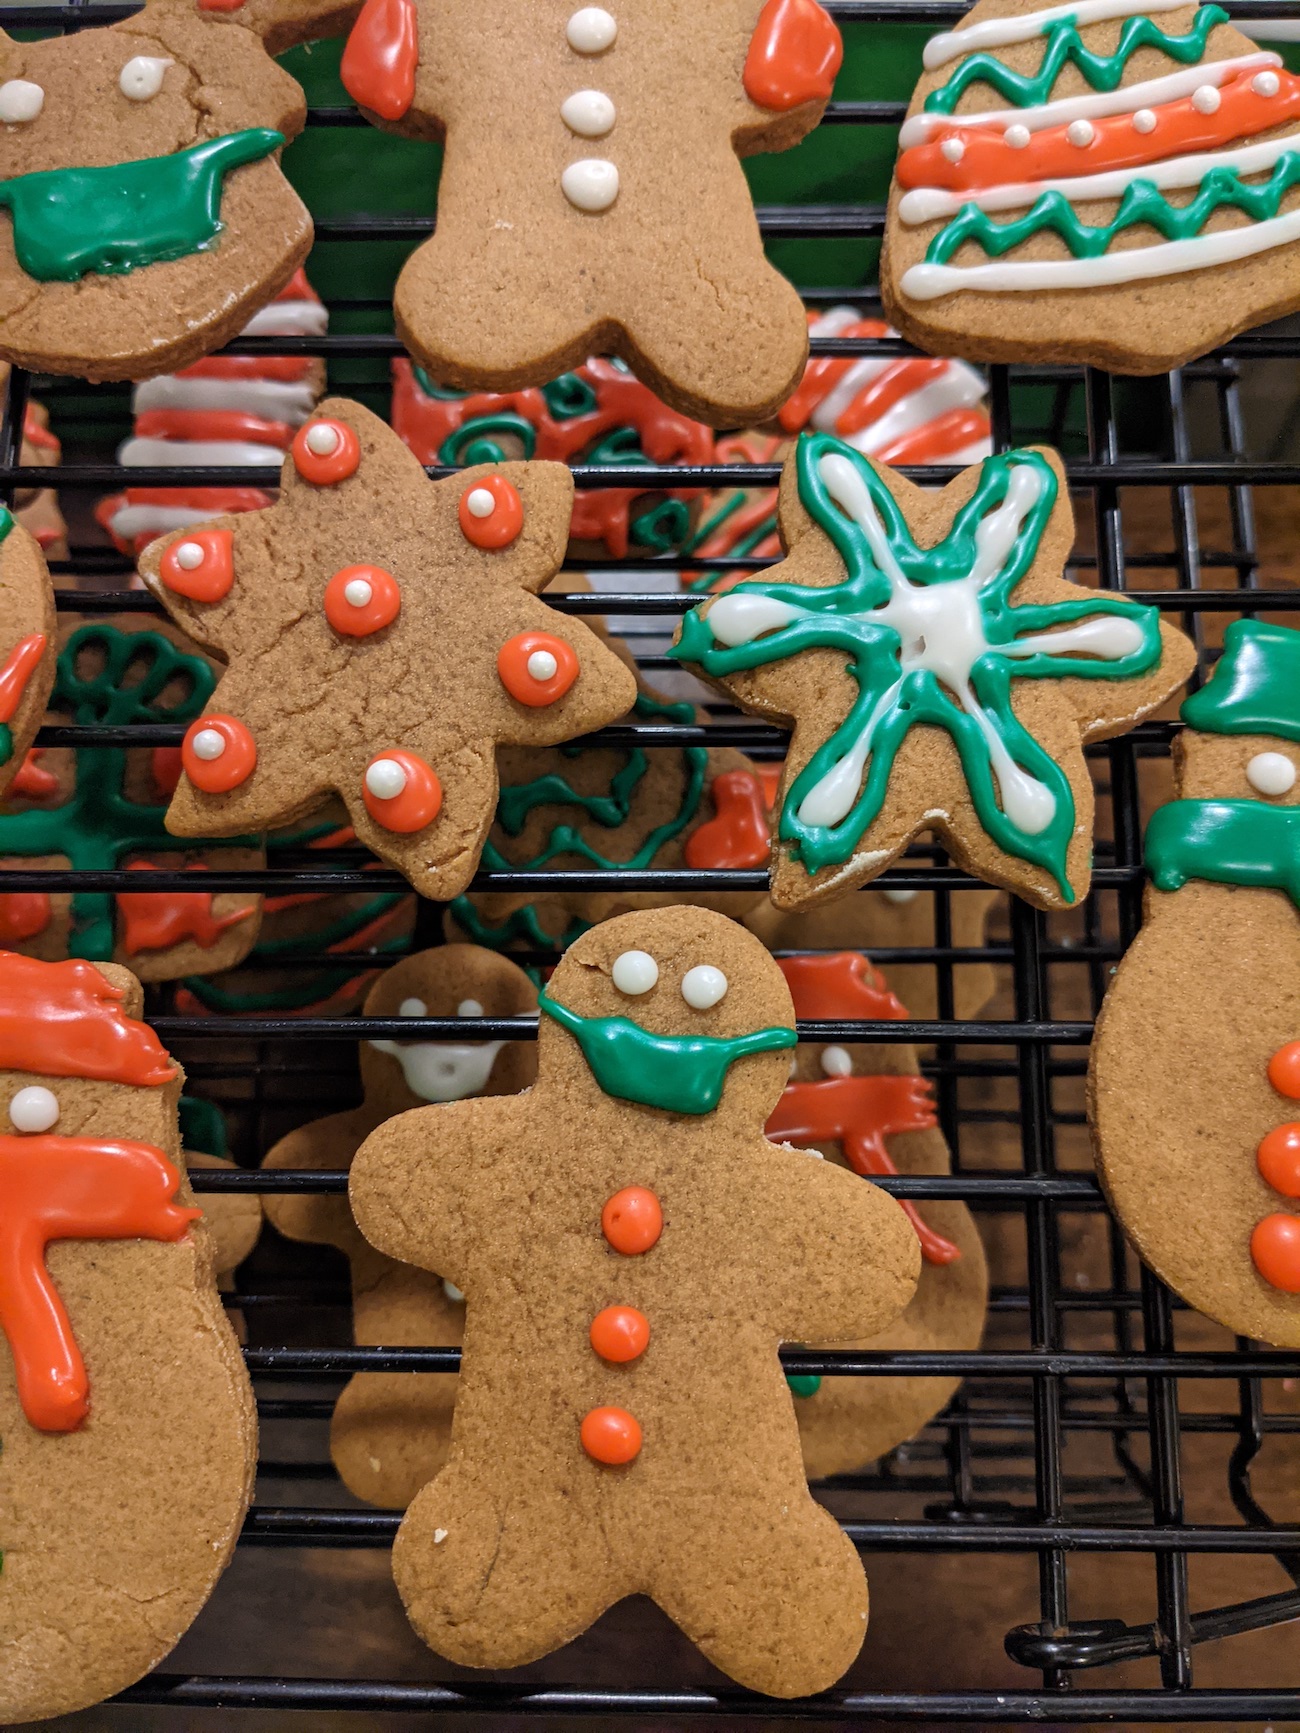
[592,183]
[1206,99]
[636,972]
[189,556]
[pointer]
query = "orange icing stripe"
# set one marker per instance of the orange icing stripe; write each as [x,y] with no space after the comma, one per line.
[19,666]
[288,368]
[216,424]
[841,984]
[822,373]
[894,382]
[66,1020]
[953,431]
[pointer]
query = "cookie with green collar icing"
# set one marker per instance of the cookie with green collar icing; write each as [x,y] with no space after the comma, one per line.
[937,669]
[628,1223]
[27,644]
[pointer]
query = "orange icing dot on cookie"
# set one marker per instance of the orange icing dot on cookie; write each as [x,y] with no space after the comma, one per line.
[1275,1251]
[1279,1159]
[218,754]
[620,1334]
[611,1436]
[537,668]
[401,791]
[1284,1070]
[491,513]
[325,451]
[361,600]
[632,1220]
[200,565]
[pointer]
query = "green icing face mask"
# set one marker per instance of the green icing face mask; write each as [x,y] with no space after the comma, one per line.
[680,1073]
[68,221]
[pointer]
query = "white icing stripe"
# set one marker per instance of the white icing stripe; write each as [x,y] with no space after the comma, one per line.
[833,321]
[845,389]
[154,520]
[197,453]
[976,453]
[273,399]
[288,319]
[1125,100]
[956,388]
[926,282]
[926,204]
[1001,32]
[1269,29]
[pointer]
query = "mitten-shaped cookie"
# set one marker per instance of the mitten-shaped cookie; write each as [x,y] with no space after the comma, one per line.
[591,199]
[149,217]
[1083,183]
[1200,1153]
[391,1430]
[27,640]
[632,1250]
[126,1413]
[870,1108]
[383,637]
[939,672]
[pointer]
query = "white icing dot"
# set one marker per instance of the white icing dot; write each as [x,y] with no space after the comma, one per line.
[635,972]
[189,556]
[591,184]
[898,896]
[482,502]
[1271,773]
[141,78]
[469,1008]
[952,150]
[385,779]
[1017,136]
[358,593]
[457,1298]
[1205,99]
[542,665]
[703,986]
[412,1008]
[322,439]
[1265,84]
[1144,121]
[1080,133]
[836,1062]
[34,1109]
[589,113]
[591,30]
[20,100]
[208,744]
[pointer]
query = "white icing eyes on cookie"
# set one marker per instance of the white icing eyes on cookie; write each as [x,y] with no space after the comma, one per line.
[385,779]
[34,1109]
[1144,120]
[141,78]
[1271,773]
[591,184]
[635,972]
[900,896]
[591,30]
[412,1008]
[1206,99]
[836,1062]
[952,150]
[589,113]
[703,986]
[208,744]
[469,1008]
[20,100]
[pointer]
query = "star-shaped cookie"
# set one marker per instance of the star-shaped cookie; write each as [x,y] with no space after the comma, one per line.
[382,638]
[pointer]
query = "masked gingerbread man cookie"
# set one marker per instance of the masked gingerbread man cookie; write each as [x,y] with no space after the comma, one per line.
[939,672]
[591,199]
[628,1225]
[383,637]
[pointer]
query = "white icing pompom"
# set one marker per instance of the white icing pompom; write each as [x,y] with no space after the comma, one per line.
[542,665]
[20,100]
[34,1109]
[358,592]
[1017,136]
[141,78]
[635,972]
[836,1062]
[1271,773]
[703,986]
[208,744]
[412,1008]
[1144,121]
[190,556]
[457,1298]
[385,779]
[590,185]
[1080,133]
[952,150]
[589,113]
[322,439]
[469,1008]
[591,30]
[1265,84]
[482,502]
[1206,99]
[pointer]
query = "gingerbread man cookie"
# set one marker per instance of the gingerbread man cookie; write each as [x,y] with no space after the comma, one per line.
[939,672]
[383,637]
[37,509]
[27,644]
[391,1430]
[148,216]
[591,199]
[1200,1153]
[117,1363]
[627,1220]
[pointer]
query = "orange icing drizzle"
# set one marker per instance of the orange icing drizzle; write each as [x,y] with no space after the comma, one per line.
[156,920]
[69,1188]
[31,780]
[954,431]
[66,1020]
[793,56]
[218,424]
[18,668]
[380,58]
[738,835]
[840,984]
[36,433]
[822,374]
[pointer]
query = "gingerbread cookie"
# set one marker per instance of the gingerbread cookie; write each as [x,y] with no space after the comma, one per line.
[629,1221]
[116,1361]
[1079,184]
[1198,1152]
[148,214]
[27,639]
[37,509]
[939,672]
[591,199]
[391,1430]
[234,1219]
[869,1108]
[99,808]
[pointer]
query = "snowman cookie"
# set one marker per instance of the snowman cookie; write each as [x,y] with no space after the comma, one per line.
[591,199]
[116,1360]
[27,645]
[391,1430]
[628,1221]
[1200,1153]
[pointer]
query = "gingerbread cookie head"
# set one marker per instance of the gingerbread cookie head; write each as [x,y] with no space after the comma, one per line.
[1199,1153]
[592,185]
[148,216]
[1042,143]
[939,671]
[383,637]
[27,644]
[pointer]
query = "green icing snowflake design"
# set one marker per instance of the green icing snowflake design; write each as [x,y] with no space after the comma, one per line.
[931,637]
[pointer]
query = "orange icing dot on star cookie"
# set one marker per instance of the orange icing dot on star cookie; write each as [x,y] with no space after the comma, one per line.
[401,791]
[537,668]
[201,565]
[491,513]
[218,754]
[362,600]
[325,451]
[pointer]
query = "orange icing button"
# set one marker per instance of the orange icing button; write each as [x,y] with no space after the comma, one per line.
[218,754]
[401,792]
[491,513]
[632,1220]
[361,600]
[1284,1070]
[611,1436]
[1279,1159]
[325,451]
[537,668]
[620,1334]
[1275,1250]
[200,565]
[737,836]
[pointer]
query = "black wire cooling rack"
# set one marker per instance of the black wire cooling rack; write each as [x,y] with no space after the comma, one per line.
[1072,1432]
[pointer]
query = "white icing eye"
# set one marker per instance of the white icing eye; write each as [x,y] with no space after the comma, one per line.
[20,100]
[589,113]
[141,78]
[836,1062]
[635,972]
[1271,773]
[897,896]
[469,1008]
[412,1008]
[1265,84]
[34,1109]
[1206,99]
[703,986]
[1017,136]
[453,1293]
[591,30]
